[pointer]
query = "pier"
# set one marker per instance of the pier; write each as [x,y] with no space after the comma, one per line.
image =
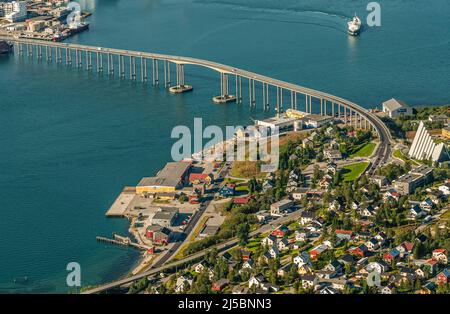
[124,241]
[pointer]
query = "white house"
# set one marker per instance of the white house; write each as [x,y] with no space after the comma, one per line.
[444,189]
[183,283]
[256,281]
[302,259]
[394,108]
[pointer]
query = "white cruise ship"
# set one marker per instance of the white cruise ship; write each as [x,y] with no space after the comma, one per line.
[354,26]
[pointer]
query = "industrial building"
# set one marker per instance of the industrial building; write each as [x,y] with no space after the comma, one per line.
[317,121]
[283,123]
[165,217]
[417,177]
[172,177]
[394,108]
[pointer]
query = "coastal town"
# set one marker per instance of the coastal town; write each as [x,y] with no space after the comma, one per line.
[333,219]
[52,20]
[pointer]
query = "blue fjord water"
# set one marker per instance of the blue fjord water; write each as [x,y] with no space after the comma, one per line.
[70,140]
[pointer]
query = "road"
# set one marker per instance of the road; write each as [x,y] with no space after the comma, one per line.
[383,152]
[220,247]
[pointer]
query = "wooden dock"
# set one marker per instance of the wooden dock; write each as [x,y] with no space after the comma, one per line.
[124,241]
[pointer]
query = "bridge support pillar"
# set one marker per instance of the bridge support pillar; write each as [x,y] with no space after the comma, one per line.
[292,100]
[60,56]
[88,60]
[121,67]
[110,65]
[155,69]
[265,92]
[166,74]
[251,92]
[30,50]
[132,68]
[181,87]
[224,96]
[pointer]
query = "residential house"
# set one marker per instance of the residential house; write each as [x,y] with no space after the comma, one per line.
[316,251]
[346,259]
[332,270]
[431,266]
[305,269]
[440,255]
[274,252]
[269,240]
[246,255]
[301,235]
[302,259]
[283,244]
[391,256]
[335,206]
[344,234]
[248,265]
[443,277]
[391,194]
[183,283]
[416,211]
[280,231]
[367,211]
[389,289]
[379,267]
[256,281]
[307,217]
[228,190]
[444,189]
[360,251]
[284,270]
[427,204]
[220,284]
[199,268]
[329,290]
[309,281]
[373,244]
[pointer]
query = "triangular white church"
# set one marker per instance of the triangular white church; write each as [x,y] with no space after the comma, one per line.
[424,147]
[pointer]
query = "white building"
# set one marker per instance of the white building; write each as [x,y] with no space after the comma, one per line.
[395,108]
[423,146]
[15,11]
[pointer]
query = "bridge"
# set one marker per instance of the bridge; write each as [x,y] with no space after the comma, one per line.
[137,65]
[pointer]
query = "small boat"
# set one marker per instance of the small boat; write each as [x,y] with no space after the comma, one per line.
[354,26]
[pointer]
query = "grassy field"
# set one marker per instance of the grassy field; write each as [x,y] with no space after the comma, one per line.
[398,154]
[246,169]
[354,171]
[364,151]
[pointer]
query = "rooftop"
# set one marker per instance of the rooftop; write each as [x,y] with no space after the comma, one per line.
[394,104]
[166,213]
[170,175]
